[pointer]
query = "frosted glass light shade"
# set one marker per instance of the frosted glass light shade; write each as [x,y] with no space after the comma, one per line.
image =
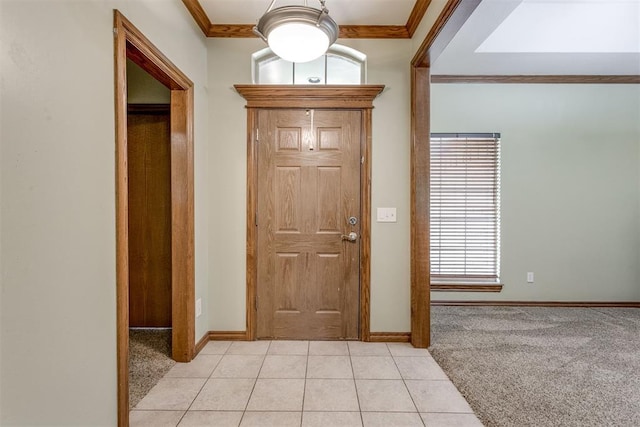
[297,33]
[298,42]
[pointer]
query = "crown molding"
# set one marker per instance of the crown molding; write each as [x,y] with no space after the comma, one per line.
[346,31]
[419,9]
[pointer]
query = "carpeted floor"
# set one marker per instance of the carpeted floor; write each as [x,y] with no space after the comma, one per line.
[149,360]
[541,367]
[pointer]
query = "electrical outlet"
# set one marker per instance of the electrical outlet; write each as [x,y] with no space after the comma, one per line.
[198,307]
[530,277]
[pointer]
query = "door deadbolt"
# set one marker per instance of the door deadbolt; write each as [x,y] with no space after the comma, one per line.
[353,220]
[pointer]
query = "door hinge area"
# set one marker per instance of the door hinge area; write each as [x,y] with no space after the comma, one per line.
[362,160]
[257,134]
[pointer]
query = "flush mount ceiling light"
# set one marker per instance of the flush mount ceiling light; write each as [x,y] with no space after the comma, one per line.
[297,33]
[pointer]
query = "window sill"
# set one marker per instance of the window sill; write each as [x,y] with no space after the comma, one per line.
[466,287]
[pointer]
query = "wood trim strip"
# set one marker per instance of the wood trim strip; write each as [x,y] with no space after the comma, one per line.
[421,57]
[229,336]
[449,22]
[452,287]
[420,177]
[122,221]
[390,337]
[346,31]
[575,304]
[148,108]
[199,15]
[150,59]
[374,32]
[252,231]
[417,13]
[202,342]
[309,96]
[231,31]
[182,226]
[365,226]
[542,79]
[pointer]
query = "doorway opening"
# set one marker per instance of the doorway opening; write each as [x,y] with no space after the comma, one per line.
[149,198]
[177,246]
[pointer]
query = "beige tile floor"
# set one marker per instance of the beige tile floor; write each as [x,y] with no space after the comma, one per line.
[305,383]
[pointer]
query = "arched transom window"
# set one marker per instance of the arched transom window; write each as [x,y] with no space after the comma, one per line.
[341,65]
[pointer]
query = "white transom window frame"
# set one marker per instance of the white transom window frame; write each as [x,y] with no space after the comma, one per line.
[347,54]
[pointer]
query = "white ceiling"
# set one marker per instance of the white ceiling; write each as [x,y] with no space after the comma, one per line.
[503,37]
[537,26]
[345,12]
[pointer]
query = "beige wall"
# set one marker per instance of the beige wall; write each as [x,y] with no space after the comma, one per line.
[561,265]
[230,63]
[570,174]
[57,212]
[1,262]
[571,171]
[142,88]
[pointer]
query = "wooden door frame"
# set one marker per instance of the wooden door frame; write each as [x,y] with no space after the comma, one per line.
[303,97]
[454,14]
[131,43]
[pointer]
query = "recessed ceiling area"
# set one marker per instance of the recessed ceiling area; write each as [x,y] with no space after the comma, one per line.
[379,19]
[501,37]
[546,37]
[537,26]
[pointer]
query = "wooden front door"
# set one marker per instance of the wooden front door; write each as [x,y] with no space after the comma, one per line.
[308,189]
[149,170]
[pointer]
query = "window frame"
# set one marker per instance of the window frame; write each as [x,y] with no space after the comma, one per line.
[337,50]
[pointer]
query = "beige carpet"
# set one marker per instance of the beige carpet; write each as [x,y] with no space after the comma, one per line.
[542,366]
[149,360]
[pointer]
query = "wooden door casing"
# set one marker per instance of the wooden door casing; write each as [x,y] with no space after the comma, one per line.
[335,97]
[149,170]
[130,43]
[308,187]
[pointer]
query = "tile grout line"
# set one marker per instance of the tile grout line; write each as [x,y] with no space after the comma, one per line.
[304,388]
[355,385]
[203,384]
[264,357]
[405,385]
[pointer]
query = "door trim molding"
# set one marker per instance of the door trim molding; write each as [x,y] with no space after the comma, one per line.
[132,44]
[390,337]
[292,97]
[453,15]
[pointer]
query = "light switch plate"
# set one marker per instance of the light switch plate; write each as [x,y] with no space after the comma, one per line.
[198,307]
[386,215]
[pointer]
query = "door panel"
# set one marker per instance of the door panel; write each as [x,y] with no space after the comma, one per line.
[149,169]
[308,187]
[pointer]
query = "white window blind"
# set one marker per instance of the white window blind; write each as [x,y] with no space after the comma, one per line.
[465,207]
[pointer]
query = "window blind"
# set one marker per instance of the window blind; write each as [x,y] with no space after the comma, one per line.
[465,207]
